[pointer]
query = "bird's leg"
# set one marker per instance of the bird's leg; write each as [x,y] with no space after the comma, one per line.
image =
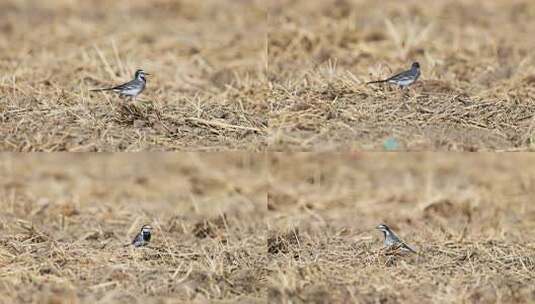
[407,91]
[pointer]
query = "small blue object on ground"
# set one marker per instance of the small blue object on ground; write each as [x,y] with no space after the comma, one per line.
[391,144]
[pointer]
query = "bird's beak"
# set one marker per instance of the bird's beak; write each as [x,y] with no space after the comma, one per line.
[148,74]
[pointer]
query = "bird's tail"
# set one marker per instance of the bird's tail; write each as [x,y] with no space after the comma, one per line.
[409,248]
[103,89]
[377,81]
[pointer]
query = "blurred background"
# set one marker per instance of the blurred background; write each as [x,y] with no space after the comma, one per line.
[187,45]
[123,189]
[486,194]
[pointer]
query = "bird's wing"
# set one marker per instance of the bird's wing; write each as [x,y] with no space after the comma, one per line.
[408,247]
[125,86]
[397,77]
[401,76]
[121,87]
[137,238]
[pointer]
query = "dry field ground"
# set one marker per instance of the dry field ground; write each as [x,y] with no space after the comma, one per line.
[477,90]
[471,217]
[66,218]
[208,60]
[267,75]
[277,228]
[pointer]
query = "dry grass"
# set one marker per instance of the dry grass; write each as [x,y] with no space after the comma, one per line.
[471,218]
[65,220]
[277,75]
[477,91]
[208,90]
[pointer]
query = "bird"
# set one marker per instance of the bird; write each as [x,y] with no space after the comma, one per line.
[132,88]
[392,241]
[143,237]
[403,79]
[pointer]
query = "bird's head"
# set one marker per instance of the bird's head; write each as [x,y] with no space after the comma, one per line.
[146,229]
[415,66]
[140,74]
[384,228]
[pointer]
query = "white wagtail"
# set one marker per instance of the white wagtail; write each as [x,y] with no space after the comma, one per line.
[392,240]
[403,79]
[143,237]
[132,88]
